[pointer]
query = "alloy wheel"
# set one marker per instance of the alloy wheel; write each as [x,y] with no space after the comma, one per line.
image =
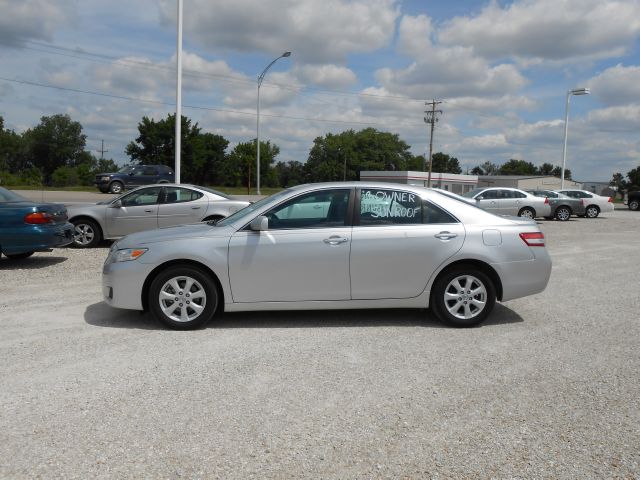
[182,299]
[465,297]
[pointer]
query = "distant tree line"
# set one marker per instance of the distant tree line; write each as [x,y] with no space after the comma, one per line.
[54,153]
[629,184]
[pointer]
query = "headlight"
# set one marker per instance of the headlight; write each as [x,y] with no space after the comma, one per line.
[128,254]
[105,179]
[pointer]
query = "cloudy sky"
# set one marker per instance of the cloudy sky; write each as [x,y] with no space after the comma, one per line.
[501,69]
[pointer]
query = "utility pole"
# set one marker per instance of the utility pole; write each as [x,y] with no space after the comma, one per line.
[102,151]
[431,118]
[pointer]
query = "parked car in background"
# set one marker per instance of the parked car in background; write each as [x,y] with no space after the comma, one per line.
[593,204]
[633,200]
[134,176]
[27,227]
[510,201]
[562,207]
[146,208]
[376,245]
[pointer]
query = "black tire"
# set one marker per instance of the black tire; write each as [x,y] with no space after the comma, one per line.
[445,306]
[634,204]
[18,256]
[86,234]
[527,212]
[592,211]
[563,213]
[116,187]
[191,317]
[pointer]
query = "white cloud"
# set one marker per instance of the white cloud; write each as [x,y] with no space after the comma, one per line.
[25,20]
[415,35]
[617,85]
[548,29]
[326,76]
[316,32]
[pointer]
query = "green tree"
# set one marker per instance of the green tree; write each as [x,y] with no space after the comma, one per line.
[619,183]
[487,168]
[290,173]
[350,152]
[518,167]
[546,169]
[634,179]
[55,142]
[12,154]
[443,163]
[240,165]
[557,172]
[106,165]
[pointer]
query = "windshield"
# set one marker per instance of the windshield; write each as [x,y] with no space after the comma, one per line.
[249,209]
[127,169]
[7,196]
[216,192]
[472,193]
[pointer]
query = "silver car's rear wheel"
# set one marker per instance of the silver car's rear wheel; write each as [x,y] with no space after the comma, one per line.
[592,211]
[526,212]
[463,296]
[183,297]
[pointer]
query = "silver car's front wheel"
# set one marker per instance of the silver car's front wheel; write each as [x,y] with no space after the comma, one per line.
[86,233]
[183,297]
[463,296]
[526,212]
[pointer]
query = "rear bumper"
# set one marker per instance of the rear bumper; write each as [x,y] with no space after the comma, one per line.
[34,238]
[524,278]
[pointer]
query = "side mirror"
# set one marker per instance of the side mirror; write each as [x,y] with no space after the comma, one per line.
[131,174]
[479,197]
[116,204]
[259,223]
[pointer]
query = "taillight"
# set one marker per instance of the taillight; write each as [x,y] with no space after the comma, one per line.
[546,200]
[582,201]
[610,200]
[533,239]
[38,218]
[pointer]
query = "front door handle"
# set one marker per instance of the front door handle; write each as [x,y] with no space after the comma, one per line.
[335,240]
[445,235]
[148,211]
[195,208]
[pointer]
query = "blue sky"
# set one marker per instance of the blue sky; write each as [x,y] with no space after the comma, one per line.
[502,70]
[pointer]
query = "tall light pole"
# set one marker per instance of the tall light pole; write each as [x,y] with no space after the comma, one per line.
[570,93]
[260,79]
[178,139]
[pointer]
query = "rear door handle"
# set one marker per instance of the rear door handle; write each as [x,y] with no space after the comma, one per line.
[335,240]
[195,208]
[445,235]
[149,211]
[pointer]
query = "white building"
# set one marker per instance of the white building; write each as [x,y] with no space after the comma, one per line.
[452,182]
[526,182]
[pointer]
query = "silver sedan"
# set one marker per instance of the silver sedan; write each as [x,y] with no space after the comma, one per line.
[332,246]
[147,208]
[510,201]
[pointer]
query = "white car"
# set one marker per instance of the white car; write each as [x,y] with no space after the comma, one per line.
[510,201]
[594,204]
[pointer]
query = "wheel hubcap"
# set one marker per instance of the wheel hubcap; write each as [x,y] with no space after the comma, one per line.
[465,297]
[83,234]
[563,214]
[115,188]
[182,299]
[526,214]
[592,213]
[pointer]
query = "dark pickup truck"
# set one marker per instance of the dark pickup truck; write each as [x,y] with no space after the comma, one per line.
[633,200]
[134,176]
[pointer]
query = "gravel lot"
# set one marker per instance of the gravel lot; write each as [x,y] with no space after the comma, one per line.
[548,388]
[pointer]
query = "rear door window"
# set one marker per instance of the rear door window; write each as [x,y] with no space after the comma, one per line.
[389,207]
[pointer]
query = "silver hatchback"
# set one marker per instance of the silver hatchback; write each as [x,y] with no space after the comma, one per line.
[332,246]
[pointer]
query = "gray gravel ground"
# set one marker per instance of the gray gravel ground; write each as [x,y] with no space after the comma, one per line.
[548,388]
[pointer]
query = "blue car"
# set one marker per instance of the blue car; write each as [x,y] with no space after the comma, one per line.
[27,227]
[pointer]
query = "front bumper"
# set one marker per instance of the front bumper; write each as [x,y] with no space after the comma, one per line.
[122,283]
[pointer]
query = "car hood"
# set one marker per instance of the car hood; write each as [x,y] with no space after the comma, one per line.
[174,233]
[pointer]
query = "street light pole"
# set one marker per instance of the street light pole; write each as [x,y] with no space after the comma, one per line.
[576,91]
[177,142]
[260,79]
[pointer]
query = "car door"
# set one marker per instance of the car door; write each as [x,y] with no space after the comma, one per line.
[180,205]
[398,241]
[488,200]
[135,212]
[301,257]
